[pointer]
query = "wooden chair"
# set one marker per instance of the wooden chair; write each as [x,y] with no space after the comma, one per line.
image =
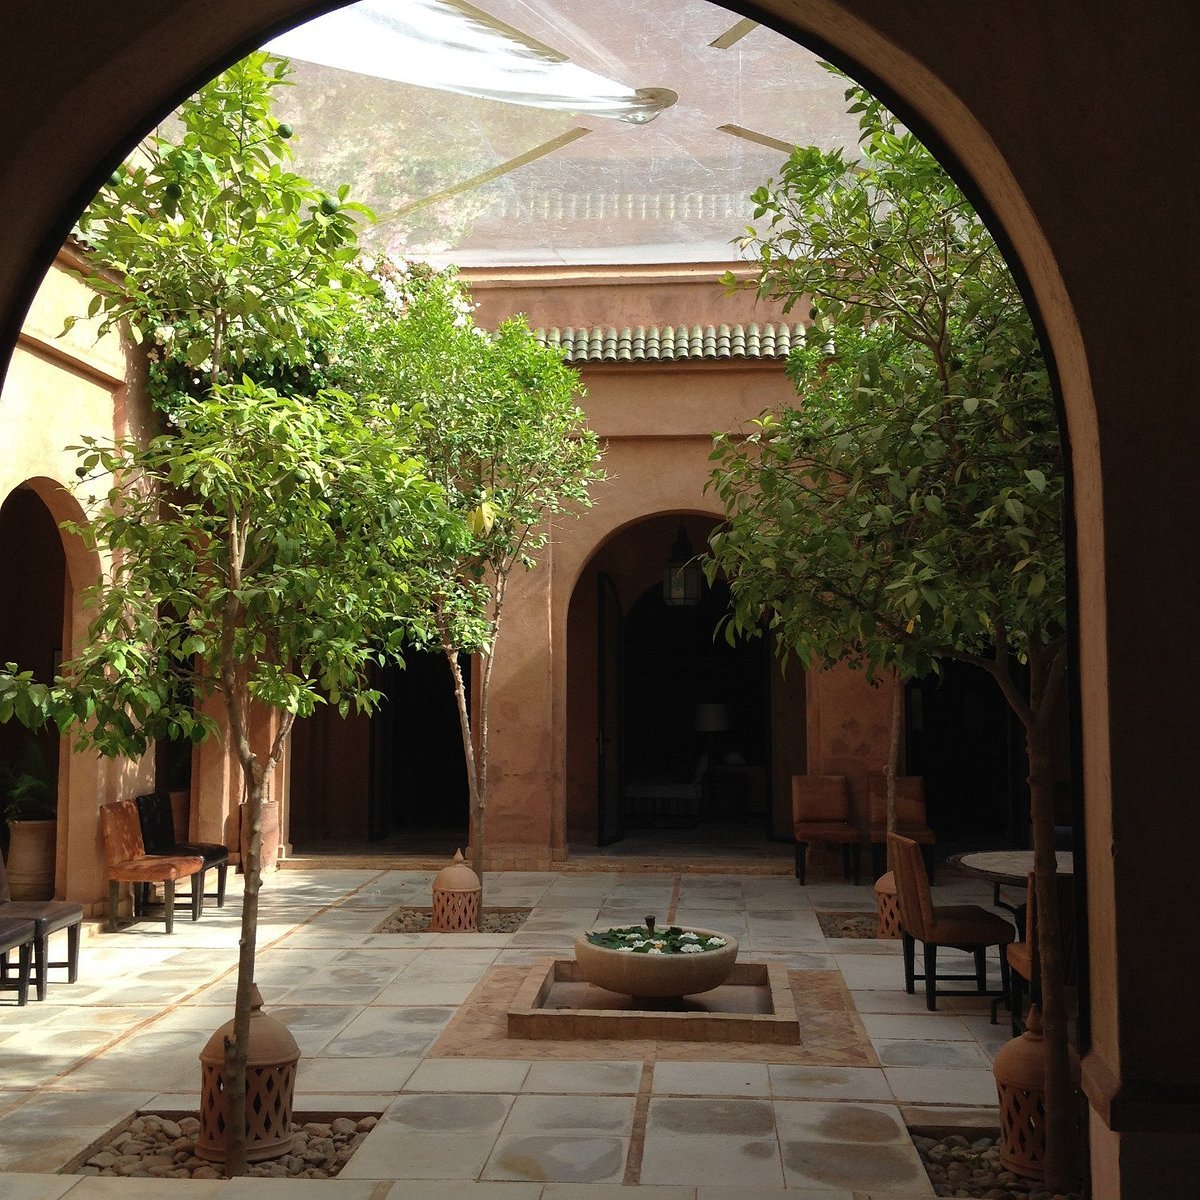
[910,817]
[963,926]
[48,916]
[127,862]
[821,813]
[19,934]
[1023,960]
[158,836]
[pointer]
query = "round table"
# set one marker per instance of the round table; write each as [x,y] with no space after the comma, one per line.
[1009,867]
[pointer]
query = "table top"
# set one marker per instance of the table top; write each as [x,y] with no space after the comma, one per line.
[1008,866]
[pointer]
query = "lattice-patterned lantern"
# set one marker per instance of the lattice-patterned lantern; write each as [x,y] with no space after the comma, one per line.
[1020,1070]
[271,1058]
[456,891]
[887,907]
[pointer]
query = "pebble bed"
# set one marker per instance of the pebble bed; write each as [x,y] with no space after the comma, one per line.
[848,924]
[962,1166]
[418,920]
[160,1147]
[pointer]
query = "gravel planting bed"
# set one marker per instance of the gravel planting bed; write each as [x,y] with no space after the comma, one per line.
[417,920]
[958,1165]
[848,924]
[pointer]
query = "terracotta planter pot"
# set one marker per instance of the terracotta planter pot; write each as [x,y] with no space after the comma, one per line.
[31,859]
[656,975]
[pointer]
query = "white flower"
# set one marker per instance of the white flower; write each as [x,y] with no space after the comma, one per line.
[625,949]
[691,948]
[633,937]
[716,941]
[655,950]
[689,937]
[636,945]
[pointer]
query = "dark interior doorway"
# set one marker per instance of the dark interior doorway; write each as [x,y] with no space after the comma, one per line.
[967,745]
[419,775]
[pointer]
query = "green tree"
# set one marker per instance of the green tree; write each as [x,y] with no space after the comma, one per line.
[910,508]
[504,438]
[258,548]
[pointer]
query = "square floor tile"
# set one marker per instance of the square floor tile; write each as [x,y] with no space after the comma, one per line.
[390,1153]
[447,1113]
[749,1162]
[711,1079]
[818,1120]
[922,1085]
[686,1118]
[468,1075]
[814,1164]
[558,1158]
[609,1115]
[565,1076]
[929,1054]
[829,1083]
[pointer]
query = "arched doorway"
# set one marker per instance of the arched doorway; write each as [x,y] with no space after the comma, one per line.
[32,630]
[676,739]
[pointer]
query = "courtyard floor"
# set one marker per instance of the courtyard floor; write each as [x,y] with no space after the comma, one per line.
[411,1026]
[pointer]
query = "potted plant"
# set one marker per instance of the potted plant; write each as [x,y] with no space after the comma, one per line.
[29,800]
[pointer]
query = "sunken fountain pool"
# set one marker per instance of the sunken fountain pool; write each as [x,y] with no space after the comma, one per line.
[655,990]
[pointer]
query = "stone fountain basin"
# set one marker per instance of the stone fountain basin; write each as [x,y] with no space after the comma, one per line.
[656,975]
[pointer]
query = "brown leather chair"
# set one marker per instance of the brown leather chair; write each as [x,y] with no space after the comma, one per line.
[127,862]
[963,926]
[158,836]
[821,813]
[1023,961]
[48,916]
[910,817]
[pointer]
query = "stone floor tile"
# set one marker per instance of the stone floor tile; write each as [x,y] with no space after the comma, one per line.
[740,1193]
[468,1075]
[868,972]
[884,1000]
[829,1083]
[297,1189]
[925,1085]
[920,1027]
[92,1187]
[460,1189]
[711,1079]
[390,1153]
[458,1113]
[817,1120]
[749,1162]
[36,1187]
[399,1031]
[929,1053]
[686,1118]
[385,1073]
[615,1191]
[558,1158]
[609,1115]
[604,1077]
[813,1164]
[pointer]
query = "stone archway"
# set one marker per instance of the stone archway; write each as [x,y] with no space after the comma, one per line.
[1025,104]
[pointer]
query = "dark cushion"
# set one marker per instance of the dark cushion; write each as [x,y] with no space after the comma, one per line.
[969,925]
[48,915]
[14,933]
[212,853]
[158,826]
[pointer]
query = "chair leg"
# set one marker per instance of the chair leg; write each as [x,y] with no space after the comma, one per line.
[73,932]
[114,897]
[221,884]
[801,861]
[856,855]
[878,859]
[931,976]
[908,945]
[41,957]
[169,903]
[23,956]
[198,894]
[981,969]
[4,966]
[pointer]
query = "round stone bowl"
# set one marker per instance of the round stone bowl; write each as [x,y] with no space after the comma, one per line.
[656,975]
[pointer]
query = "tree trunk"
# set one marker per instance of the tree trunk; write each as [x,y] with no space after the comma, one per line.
[893,758]
[476,799]
[236,1047]
[1061,1107]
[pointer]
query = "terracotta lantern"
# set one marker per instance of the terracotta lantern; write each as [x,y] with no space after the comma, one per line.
[1020,1070]
[271,1060]
[887,907]
[456,891]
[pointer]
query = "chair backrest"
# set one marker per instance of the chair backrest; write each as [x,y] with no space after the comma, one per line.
[157,823]
[122,832]
[5,894]
[912,886]
[820,798]
[910,799]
